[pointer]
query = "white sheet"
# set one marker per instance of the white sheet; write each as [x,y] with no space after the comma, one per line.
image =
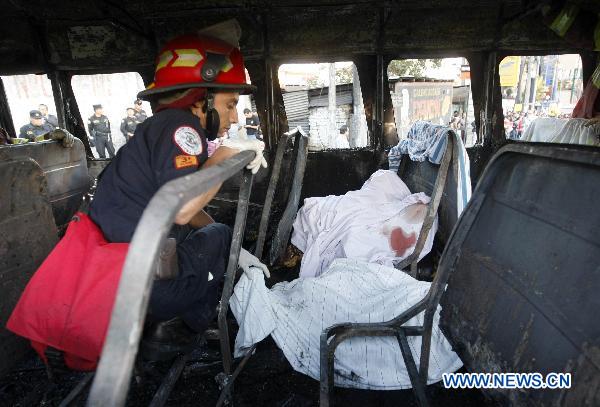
[357,225]
[571,131]
[295,313]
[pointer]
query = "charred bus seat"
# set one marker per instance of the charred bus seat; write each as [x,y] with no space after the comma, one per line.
[519,279]
[29,233]
[523,296]
[65,170]
[440,183]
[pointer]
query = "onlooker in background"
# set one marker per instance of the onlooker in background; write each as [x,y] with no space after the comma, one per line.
[36,126]
[462,127]
[140,114]
[99,128]
[342,138]
[128,124]
[252,124]
[48,118]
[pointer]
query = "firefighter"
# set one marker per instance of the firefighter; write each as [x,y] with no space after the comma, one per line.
[197,85]
[99,128]
[36,126]
[196,101]
[128,124]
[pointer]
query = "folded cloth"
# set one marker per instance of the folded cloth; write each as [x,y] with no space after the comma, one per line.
[363,225]
[428,141]
[295,313]
[565,131]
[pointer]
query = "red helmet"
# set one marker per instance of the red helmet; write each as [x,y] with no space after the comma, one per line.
[194,61]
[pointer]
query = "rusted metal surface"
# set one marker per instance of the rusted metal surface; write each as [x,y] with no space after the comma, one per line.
[65,170]
[27,235]
[523,294]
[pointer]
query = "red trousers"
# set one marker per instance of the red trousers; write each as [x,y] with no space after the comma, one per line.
[68,302]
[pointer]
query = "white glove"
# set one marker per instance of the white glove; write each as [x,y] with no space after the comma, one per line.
[247,260]
[249,145]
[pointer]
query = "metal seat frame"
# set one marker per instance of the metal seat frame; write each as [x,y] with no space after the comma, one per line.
[283,231]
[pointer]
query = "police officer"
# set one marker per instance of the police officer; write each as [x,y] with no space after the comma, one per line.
[36,126]
[195,103]
[128,124]
[140,114]
[48,118]
[99,128]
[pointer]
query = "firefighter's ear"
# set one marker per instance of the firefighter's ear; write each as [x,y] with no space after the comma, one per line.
[213,121]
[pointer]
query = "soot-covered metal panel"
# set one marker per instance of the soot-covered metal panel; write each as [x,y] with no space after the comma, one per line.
[95,44]
[335,172]
[323,31]
[19,47]
[27,235]
[523,296]
[65,170]
[418,30]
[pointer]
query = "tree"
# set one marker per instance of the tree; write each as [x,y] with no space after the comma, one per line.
[343,75]
[411,67]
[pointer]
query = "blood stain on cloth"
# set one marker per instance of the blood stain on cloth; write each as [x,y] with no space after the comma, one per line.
[400,242]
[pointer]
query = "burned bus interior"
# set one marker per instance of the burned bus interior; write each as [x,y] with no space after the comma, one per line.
[508,247]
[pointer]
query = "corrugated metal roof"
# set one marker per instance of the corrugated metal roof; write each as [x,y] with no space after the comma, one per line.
[341,98]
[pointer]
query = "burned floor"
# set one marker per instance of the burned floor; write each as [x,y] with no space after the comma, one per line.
[267,380]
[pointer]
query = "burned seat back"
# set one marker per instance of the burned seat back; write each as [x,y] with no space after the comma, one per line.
[65,170]
[27,235]
[525,259]
[420,176]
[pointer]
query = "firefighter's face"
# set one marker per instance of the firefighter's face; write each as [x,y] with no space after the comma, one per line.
[226,105]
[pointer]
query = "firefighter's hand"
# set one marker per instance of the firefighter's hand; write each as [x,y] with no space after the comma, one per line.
[249,145]
[247,260]
[61,134]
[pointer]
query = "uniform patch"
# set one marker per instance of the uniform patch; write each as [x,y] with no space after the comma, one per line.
[188,140]
[185,161]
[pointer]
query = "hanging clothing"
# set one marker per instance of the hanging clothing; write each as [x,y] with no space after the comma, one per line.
[428,141]
[362,225]
[295,313]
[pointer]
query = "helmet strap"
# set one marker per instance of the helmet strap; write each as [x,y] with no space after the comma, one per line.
[213,121]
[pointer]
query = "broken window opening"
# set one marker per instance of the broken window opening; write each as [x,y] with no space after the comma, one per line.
[433,90]
[116,93]
[542,90]
[27,93]
[333,120]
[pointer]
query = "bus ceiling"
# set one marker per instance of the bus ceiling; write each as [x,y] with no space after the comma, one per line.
[115,35]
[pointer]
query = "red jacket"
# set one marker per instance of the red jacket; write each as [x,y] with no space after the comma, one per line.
[68,302]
